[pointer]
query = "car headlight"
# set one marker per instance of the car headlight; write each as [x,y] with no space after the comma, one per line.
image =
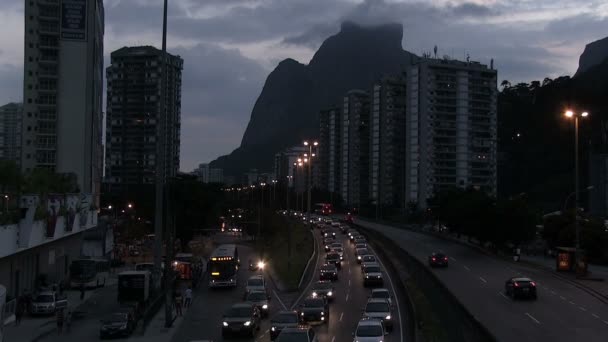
[322,313]
[388,317]
[330,293]
[265,306]
[359,257]
[248,323]
[322,318]
[314,294]
[273,329]
[366,277]
[225,324]
[301,314]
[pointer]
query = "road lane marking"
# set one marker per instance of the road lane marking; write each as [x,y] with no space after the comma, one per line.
[485,281]
[333,338]
[279,299]
[605,322]
[342,315]
[582,308]
[553,292]
[502,294]
[347,297]
[596,316]
[562,297]
[532,318]
[573,303]
[349,282]
[466,268]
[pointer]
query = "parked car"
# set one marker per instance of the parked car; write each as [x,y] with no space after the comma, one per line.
[48,302]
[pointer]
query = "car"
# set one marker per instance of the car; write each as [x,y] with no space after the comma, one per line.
[335,245]
[282,320]
[323,288]
[366,264]
[344,228]
[352,232]
[438,260]
[298,334]
[116,325]
[359,253]
[328,272]
[352,237]
[314,311]
[241,318]
[360,239]
[379,308]
[372,275]
[328,241]
[519,287]
[48,302]
[328,233]
[339,251]
[260,299]
[333,258]
[382,293]
[360,245]
[255,283]
[335,224]
[368,258]
[369,330]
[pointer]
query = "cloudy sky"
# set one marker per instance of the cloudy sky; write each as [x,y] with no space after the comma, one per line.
[230,46]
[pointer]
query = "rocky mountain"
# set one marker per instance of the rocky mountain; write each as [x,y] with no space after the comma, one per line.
[286,111]
[595,53]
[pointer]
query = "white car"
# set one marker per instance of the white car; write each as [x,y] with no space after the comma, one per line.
[380,309]
[255,283]
[369,330]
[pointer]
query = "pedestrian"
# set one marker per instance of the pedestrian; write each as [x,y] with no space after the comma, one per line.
[19,310]
[60,319]
[178,303]
[81,291]
[188,297]
[68,321]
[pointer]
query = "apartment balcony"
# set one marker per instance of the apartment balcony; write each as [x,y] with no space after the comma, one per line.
[40,223]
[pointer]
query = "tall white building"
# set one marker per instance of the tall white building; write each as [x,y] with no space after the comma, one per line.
[451,128]
[62,89]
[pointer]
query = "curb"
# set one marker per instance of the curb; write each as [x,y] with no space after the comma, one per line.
[314,252]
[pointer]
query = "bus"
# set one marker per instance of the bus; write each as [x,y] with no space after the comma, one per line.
[324,208]
[91,273]
[223,266]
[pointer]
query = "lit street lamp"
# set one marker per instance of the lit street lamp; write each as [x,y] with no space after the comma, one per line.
[309,155]
[576,116]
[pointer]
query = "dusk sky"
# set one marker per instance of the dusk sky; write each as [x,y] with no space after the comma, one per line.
[230,46]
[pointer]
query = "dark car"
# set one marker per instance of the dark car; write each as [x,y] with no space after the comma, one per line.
[359,253]
[372,275]
[518,287]
[260,300]
[344,228]
[323,288]
[241,318]
[314,310]
[283,320]
[328,272]
[360,239]
[334,259]
[298,334]
[438,260]
[116,325]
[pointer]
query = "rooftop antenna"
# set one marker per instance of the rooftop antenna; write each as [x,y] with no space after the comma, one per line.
[435,51]
[492,64]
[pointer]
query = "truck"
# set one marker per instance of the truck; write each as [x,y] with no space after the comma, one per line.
[134,287]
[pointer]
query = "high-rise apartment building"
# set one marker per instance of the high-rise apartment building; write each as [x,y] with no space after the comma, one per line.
[205,174]
[354,146]
[330,120]
[133,105]
[387,143]
[62,89]
[451,128]
[10,132]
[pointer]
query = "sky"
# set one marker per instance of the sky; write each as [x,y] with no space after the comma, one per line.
[230,46]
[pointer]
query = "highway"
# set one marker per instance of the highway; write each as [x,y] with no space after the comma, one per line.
[563,312]
[351,296]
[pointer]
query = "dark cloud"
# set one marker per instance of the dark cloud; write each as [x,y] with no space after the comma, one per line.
[314,36]
[472,10]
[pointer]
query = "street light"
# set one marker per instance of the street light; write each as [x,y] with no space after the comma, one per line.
[576,115]
[308,158]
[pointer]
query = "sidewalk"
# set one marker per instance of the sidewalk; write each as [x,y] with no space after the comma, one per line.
[33,328]
[156,330]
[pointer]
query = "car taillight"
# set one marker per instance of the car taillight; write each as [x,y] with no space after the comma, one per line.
[516,284]
[533,284]
[446,258]
[433,258]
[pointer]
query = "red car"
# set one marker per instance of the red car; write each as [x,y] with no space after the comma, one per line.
[438,260]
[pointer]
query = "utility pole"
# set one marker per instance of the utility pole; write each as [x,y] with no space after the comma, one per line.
[160,160]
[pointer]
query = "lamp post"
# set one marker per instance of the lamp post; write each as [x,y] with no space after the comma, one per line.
[309,160]
[576,116]
[289,178]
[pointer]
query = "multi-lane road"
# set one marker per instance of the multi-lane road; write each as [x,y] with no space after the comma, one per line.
[563,311]
[203,320]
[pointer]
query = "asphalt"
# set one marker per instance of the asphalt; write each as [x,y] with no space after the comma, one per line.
[350,298]
[563,311]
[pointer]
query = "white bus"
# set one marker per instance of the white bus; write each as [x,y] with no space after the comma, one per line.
[223,266]
[91,273]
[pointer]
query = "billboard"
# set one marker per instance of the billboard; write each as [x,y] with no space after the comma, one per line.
[74,20]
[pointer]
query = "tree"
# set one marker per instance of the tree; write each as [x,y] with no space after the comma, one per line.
[505,84]
[547,81]
[10,177]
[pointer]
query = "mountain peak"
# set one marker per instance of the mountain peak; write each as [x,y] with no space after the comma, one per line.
[595,53]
